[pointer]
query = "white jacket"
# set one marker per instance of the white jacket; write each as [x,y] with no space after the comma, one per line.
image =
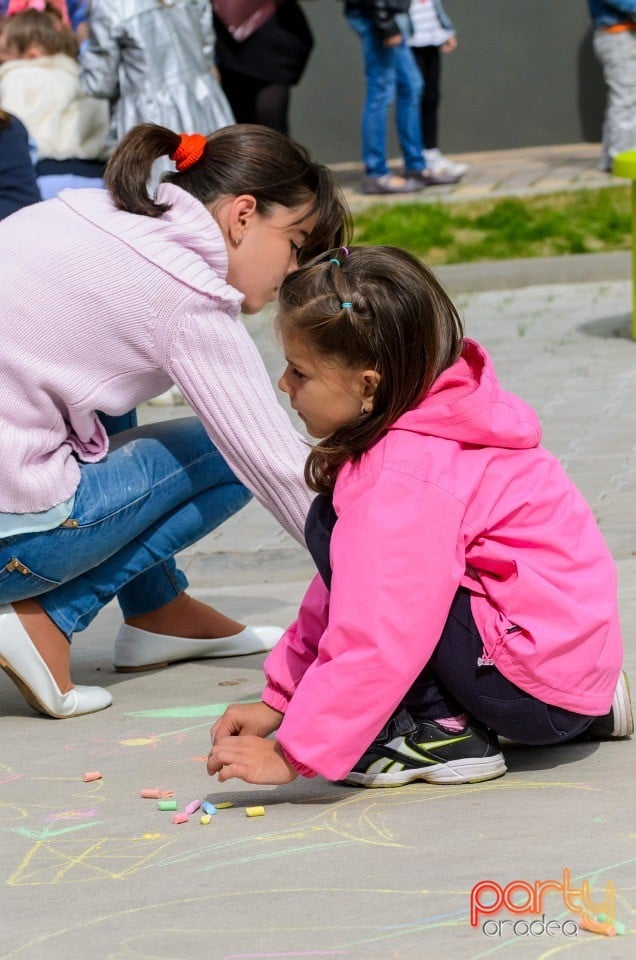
[45,94]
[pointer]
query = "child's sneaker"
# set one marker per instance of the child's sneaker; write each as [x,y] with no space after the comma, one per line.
[619,722]
[407,750]
[437,163]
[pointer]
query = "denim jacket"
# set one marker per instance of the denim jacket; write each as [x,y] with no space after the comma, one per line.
[444,19]
[607,13]
[382,13]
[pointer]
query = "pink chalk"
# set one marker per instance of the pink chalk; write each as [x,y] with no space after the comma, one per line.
[180,818]
[156,794]
[94,775]
[192,807]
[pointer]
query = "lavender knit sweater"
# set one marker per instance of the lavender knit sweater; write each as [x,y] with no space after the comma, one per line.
[138,303]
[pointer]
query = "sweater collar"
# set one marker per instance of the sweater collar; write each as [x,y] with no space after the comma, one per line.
[185,241]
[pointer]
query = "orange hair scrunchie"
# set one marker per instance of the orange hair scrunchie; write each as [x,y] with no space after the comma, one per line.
[189,151]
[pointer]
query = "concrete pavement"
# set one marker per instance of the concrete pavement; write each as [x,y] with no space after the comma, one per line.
[499,173]
[90,869]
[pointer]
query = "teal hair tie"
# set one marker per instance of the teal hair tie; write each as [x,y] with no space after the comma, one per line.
[334,260]
[345,304]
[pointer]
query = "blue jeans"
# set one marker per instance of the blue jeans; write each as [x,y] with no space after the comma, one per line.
[161,488]
[388,71]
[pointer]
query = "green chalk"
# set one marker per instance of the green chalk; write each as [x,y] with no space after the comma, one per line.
[619,927]
[167,804]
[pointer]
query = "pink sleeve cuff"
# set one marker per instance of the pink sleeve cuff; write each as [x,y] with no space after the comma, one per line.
[273,697]
[301,768]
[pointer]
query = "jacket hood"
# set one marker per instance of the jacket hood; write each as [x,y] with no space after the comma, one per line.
[467,404]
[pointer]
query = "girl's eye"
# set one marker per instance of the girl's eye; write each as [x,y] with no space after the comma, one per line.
[297,373]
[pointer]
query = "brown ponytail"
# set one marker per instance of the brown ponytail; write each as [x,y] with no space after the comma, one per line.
[128,170]
[243,158]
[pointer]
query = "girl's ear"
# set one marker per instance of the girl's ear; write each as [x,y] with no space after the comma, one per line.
[233,215]
[242,209]
[370,381]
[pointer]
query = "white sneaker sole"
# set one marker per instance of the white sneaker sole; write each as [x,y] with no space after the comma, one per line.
[469,770]
[622,707]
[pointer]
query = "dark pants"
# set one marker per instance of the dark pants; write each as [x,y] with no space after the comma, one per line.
[453,681]
[256,101]
[429,61]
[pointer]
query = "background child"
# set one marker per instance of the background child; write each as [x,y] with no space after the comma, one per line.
[464,588]
[153,62]
[39,83]
[433,34]
[390,74]
[258,71]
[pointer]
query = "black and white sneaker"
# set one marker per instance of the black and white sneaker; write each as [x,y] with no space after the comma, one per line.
[407,750]
[619,722]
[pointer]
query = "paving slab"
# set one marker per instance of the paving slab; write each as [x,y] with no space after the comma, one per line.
[91,869]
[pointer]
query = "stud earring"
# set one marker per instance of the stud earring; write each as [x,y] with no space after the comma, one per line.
[238,241]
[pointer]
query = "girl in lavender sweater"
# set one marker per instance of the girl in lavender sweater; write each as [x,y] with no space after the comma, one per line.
[144,292]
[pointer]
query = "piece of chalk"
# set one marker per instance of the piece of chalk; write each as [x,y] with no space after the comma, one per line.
[594,926]
[180,818]
[156,794]
[205,819]
[93,775]
[225,805]
[618,926]
[167,804]
[193,806]
[255,811]
[208,807]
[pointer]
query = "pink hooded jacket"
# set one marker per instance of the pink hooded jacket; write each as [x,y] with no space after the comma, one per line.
[457,492]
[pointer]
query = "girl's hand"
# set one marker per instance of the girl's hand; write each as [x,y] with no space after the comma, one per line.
[393,41]
[251,759]
[256,719]
[450,45]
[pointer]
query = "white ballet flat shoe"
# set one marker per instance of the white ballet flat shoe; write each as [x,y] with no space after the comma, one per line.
[20,660]
[137,649]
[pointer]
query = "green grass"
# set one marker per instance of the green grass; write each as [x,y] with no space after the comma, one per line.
[583,221]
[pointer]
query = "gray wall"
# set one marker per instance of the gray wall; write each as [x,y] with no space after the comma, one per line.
[524,74]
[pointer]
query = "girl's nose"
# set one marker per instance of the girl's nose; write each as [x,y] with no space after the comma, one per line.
[282,385]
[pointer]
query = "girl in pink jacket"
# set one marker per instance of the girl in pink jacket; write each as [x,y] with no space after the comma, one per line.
[464,589]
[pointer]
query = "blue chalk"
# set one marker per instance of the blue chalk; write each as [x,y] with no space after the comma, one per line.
[208,807]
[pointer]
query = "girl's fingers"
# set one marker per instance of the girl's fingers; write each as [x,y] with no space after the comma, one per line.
[240,770]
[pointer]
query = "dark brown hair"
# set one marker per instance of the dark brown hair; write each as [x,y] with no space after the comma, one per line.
[243,158]
[401,323]
[42,28]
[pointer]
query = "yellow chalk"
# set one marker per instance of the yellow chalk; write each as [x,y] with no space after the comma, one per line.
[254,811]
[205,819]
[224,806]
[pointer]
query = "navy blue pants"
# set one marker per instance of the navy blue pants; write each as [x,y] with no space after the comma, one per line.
[453,682]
